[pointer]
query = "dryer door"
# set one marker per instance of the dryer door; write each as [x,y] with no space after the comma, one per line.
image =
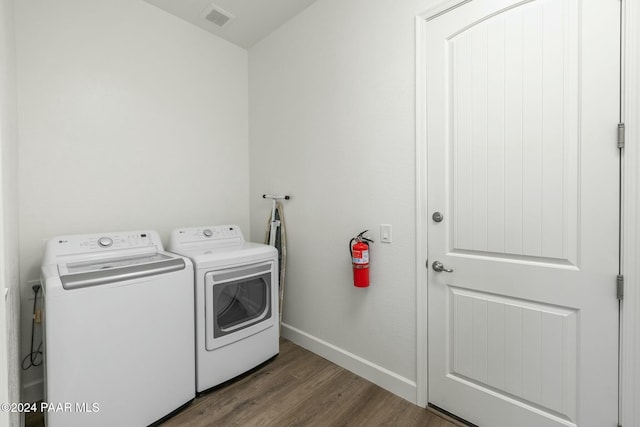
[238,303]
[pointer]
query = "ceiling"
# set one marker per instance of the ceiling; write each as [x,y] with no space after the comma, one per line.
[252,19]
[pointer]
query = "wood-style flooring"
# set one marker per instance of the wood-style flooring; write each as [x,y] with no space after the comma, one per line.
[298,388]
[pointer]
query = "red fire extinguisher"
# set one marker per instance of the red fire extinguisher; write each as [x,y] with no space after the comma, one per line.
[360,259]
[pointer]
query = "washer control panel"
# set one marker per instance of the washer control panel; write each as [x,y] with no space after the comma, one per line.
[97,243]
[116,241]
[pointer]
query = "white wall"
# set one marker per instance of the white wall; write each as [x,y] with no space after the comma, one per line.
[332,101]
[130,119]
[9,278]
[114,94]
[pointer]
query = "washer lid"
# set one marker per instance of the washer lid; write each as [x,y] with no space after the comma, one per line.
[103,264]
[103,271]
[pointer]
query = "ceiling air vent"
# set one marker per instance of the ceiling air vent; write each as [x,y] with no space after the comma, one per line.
[217,15]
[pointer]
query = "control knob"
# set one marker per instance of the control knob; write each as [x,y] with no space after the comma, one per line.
[105,242]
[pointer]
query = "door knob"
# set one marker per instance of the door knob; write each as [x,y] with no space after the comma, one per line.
[439,267]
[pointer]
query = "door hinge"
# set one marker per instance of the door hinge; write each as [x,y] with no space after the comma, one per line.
[620,135]
[620,287]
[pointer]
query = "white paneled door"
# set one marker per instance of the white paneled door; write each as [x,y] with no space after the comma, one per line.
[523,166]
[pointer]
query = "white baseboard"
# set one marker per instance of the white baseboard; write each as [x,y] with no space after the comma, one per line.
[33,391]
[378,375]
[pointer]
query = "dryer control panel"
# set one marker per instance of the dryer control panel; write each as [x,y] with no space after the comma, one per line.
[209,235]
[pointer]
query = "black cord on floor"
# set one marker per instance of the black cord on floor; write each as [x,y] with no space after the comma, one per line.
[31,359]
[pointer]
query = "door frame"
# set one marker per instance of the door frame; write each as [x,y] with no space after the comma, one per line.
[630,115]
[630,319]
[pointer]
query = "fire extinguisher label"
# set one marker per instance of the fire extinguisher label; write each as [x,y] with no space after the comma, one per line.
[360,257]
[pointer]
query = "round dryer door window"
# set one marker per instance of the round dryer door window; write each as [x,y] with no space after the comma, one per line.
[240,302]
[237,298]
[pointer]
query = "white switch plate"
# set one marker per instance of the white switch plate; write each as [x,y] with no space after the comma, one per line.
[385,233]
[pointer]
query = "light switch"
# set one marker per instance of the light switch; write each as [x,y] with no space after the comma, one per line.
[385,233]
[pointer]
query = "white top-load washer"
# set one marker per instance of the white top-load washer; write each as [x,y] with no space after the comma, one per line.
[119,333]
[236,288]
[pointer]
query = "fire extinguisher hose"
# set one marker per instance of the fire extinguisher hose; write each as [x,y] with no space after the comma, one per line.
[359,238]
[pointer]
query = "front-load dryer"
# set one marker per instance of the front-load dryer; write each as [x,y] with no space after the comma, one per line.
[236,291]
[118,329]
